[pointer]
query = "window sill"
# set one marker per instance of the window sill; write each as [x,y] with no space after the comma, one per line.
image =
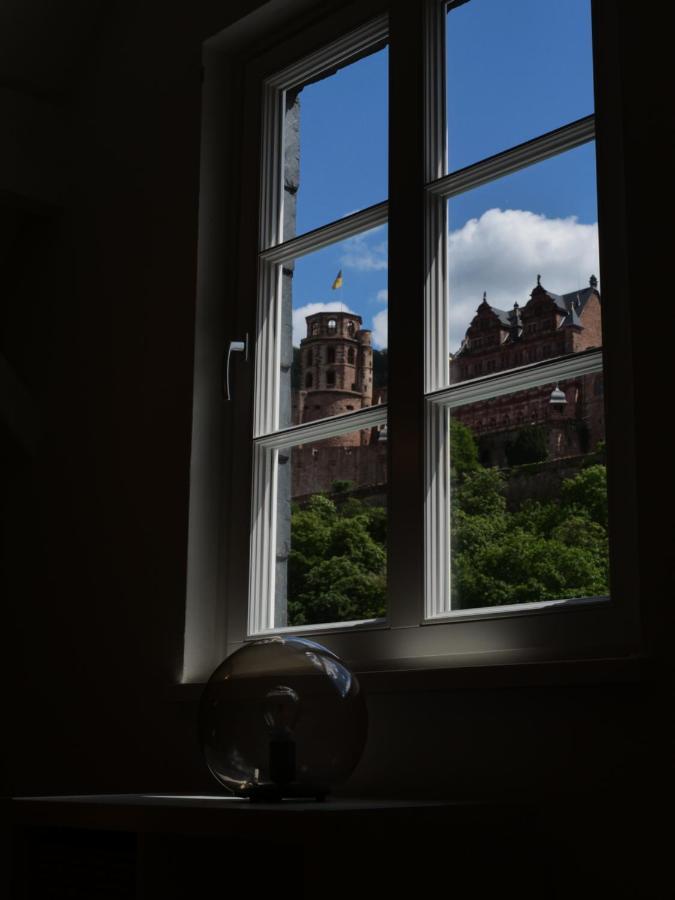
[436,674]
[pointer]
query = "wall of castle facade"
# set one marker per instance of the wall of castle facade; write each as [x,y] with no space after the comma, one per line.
[315,468]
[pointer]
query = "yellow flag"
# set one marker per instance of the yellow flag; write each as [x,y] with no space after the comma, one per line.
[338,280]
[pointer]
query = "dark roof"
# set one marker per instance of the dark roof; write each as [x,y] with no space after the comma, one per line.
[570,305]
[508,317]
[575,303]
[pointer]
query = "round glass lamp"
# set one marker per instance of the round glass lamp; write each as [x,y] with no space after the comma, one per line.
[282,717]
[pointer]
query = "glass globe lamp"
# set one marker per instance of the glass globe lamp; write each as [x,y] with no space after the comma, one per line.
[282,717]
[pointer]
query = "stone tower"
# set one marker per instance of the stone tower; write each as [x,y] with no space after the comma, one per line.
[336,369]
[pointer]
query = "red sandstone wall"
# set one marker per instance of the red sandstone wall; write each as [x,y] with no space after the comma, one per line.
[314,469]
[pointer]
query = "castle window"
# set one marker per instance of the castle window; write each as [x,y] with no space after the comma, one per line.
[350,357]
[309,380]
[332,326]
[330,355]
[330,378]
[350,328]
[315,329]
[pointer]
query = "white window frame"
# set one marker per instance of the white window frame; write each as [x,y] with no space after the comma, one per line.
[419,632]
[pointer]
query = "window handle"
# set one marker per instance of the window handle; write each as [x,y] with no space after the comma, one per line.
[233,347]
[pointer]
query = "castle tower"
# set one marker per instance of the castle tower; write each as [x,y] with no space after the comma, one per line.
[336,369]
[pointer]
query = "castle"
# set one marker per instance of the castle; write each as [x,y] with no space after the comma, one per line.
[548,325]
[336,376]
[336,370]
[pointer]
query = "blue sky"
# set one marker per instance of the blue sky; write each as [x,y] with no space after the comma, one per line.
[515,69]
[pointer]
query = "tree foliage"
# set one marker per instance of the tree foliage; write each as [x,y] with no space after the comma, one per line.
[337,565]
[529,446]
[463,449]
[539,550]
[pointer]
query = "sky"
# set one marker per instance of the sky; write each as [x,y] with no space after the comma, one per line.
[515,69]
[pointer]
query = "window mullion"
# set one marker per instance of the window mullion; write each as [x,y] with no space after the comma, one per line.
[267,350]
[327,234]
[534,375]
[547,145]
[263,540]
[320,429]
[436,350]
[437,512]
[406,315]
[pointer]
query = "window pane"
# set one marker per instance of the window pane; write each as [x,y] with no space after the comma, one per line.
[334,312]
[523,267]
[529,496]
[335,145]
[515,70]
[331,529]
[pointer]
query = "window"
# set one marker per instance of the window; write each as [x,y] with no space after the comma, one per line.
[429,310]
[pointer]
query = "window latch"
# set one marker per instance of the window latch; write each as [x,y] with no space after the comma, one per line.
[233,347]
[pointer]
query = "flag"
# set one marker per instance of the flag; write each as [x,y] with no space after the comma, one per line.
[338,280]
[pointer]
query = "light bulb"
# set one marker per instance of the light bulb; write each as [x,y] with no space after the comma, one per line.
[281,710]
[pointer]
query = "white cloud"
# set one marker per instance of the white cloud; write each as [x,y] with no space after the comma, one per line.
[299,324]
[503,251]
[380,329]
[382,296]
[364,255]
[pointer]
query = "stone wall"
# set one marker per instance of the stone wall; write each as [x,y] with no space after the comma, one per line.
[542,481]
[315,468]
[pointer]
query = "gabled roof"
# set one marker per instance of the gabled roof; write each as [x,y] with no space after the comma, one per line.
[571,306]
[574,305]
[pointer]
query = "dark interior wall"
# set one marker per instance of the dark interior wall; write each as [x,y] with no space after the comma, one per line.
[95,522]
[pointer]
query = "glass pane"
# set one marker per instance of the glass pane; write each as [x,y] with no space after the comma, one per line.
[335,145]
[331,529]
[529,496]
[334,312]
[515,70]
[523,267]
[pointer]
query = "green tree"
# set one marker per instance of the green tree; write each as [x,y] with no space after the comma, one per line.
[587,493]
[337,564]
[541,551]
[522,568]
[463,449]
[481,493]
[530,446]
